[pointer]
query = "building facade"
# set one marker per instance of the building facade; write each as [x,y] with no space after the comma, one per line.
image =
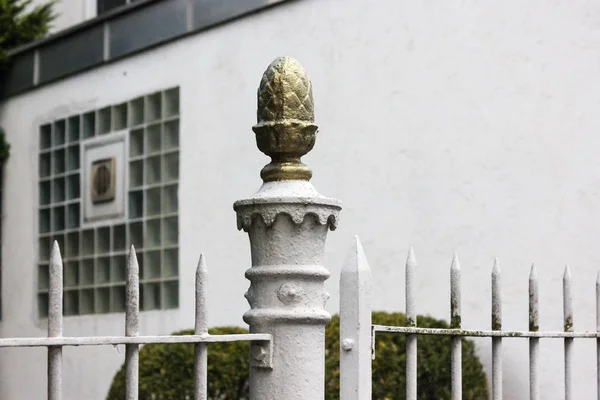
[449,127]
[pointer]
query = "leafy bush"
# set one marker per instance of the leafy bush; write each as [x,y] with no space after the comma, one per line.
[389,372]
[167,371]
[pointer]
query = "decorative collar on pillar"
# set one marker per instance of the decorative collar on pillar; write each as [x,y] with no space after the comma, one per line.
[286,131]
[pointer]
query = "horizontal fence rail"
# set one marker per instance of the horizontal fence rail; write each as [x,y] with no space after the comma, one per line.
[137,340]
[477,333]
[456,332]
[132,340]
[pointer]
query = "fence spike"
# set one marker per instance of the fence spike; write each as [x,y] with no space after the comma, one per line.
[411,320]
[132,321]
[496,297]
[201,327]
[567,300]
[455,293]
[132,295]
[568,326]
[455,323]
[201,287]
[411,312]
[411,261]
[533,327]
[496,267]
[355,325]
[497,326]
[55,323]
[55,295]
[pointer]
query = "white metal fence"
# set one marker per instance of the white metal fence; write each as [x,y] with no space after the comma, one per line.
[287,222]
[132,339]
[357,335]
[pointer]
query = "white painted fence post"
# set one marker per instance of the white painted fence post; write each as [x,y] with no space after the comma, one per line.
[287,222]
[355,326]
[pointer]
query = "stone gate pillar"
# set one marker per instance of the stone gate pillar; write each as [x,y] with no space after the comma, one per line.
[287,222]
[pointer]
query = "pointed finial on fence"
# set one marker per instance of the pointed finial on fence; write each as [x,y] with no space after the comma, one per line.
[534,324]
[356,259]
[496,267]
[496,297]
[201,307]
[567,273]
[455,264]
[411,261]
[411,265]
[55,292]
[455,293]
[132,295]
[285,130]
[567,300]
[533,272]
[355,325]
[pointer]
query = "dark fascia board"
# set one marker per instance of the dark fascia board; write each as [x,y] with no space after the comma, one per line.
[218,12]
[85,25]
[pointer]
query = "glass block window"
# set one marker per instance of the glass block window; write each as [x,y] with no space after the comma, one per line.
[95,253]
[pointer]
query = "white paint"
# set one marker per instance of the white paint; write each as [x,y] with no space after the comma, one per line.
[456,341]
[496,325]
[355,325]
[287,223]
[69,12]
[534,343]
[469,127]
[411,320]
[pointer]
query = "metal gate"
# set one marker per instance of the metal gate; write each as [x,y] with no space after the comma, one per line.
[357,335]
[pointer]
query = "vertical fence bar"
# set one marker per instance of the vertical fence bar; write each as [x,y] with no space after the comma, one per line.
[496,326]
[568,315]
[355,326]
[455,323]
[411,320]
[55,323]
[201,364]
[132,322]
[534,326]
[598,330]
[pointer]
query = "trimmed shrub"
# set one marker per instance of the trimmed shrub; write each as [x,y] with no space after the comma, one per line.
[167,370]
[389,366]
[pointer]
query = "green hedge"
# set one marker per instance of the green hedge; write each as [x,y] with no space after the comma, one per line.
[389,372]
[167,371]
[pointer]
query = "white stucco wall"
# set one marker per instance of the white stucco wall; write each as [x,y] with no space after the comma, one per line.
[70,12]
[446,127]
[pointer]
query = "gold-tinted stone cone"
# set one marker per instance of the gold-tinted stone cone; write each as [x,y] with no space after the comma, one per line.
[285,130]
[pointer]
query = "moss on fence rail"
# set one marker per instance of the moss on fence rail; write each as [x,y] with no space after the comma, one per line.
[167,370]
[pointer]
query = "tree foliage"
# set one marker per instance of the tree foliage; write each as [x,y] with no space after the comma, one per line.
[4,147]
[167,370]
[20,23]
